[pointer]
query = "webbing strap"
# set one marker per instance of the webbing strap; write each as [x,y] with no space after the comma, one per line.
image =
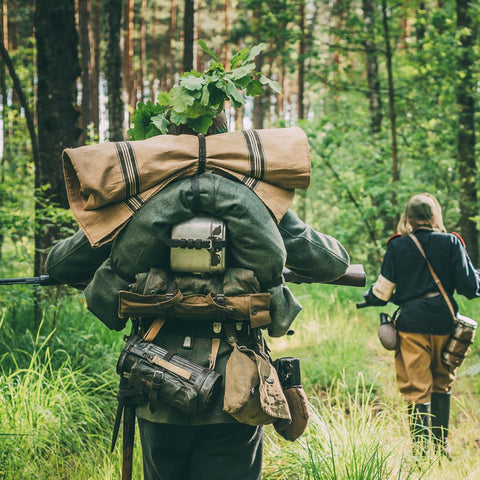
[202,153]
[435,277]
[212,357]
[155,327]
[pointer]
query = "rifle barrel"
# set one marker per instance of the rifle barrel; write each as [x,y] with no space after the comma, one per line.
[42,280]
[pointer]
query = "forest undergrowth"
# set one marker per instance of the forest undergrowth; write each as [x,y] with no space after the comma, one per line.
[58,386]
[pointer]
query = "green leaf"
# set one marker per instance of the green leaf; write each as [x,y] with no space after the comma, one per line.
[238,58]
[178,118]
[205,98]
[209,52]
[160,121]
[192,83]
[242,72]
[201,124]
[163,99]
[255,89]
[255,51]
[233,94]
[275,86]
[181,99]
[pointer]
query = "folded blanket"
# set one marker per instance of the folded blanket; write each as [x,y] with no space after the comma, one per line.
[107,183]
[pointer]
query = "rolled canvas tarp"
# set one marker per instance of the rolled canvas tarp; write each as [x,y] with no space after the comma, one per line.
[108,182]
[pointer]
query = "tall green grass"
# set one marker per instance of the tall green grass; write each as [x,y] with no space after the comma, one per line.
[358,428]
[55,419]
[57,398]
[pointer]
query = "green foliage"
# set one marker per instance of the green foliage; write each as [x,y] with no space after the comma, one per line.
[58,397]
[200,97]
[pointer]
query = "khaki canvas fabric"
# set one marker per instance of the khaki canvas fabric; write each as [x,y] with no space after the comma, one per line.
[419,367]
[253,394]
[253,307]
[107,183]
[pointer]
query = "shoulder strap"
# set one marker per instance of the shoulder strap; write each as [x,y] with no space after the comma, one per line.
[434,275]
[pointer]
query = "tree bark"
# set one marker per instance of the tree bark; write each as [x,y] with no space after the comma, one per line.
[57,113]
[95,76]
[188,35]
[391,107]
[84,28]
[170,51]
[143,52]
[301,62]
[371,60]
[466,88]
[128,73]
[113,69]
[228,22]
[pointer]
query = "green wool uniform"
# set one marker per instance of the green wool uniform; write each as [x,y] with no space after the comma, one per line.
[256,243]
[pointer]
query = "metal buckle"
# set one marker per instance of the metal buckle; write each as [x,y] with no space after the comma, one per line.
[217,327]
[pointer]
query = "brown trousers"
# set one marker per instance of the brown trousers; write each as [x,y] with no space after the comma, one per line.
[419,367]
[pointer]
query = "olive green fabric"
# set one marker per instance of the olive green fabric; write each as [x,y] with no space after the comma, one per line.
[312,253]
[308,251]
[254,242]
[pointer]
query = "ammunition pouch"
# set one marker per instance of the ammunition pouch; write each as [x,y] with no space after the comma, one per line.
[158,374]
[254,307]
[191,297]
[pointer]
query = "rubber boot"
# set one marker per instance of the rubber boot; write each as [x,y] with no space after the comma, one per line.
[440,419]
[419,415]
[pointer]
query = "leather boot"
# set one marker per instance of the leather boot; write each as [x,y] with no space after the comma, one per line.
[419,415]
[440,420]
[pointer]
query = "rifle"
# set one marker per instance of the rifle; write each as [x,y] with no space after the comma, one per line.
[42,280]
[353,277]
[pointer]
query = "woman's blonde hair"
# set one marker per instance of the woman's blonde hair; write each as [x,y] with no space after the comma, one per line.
[422,209]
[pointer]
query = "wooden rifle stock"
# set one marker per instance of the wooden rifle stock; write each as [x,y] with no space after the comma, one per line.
[353,277]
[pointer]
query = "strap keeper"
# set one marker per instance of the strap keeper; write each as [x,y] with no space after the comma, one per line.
[202,153]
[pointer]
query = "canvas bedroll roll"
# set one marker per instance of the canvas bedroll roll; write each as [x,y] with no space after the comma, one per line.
[108,182]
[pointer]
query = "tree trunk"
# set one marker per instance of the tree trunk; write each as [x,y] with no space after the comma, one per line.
[170,51]
[228,21]
[128,73]
[301,62]
[391,107]
[188,35]
[57,70]
[371,60]
[3,106]
[95,76]
[466,89]
[143,52]
[84,28]
[113,69]
[12,27]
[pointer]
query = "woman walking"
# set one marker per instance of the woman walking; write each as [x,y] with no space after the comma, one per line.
[424,320]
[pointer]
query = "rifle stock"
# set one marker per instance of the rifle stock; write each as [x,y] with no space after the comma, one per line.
[354,277]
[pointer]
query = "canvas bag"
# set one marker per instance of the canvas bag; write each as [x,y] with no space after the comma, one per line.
[253,393]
